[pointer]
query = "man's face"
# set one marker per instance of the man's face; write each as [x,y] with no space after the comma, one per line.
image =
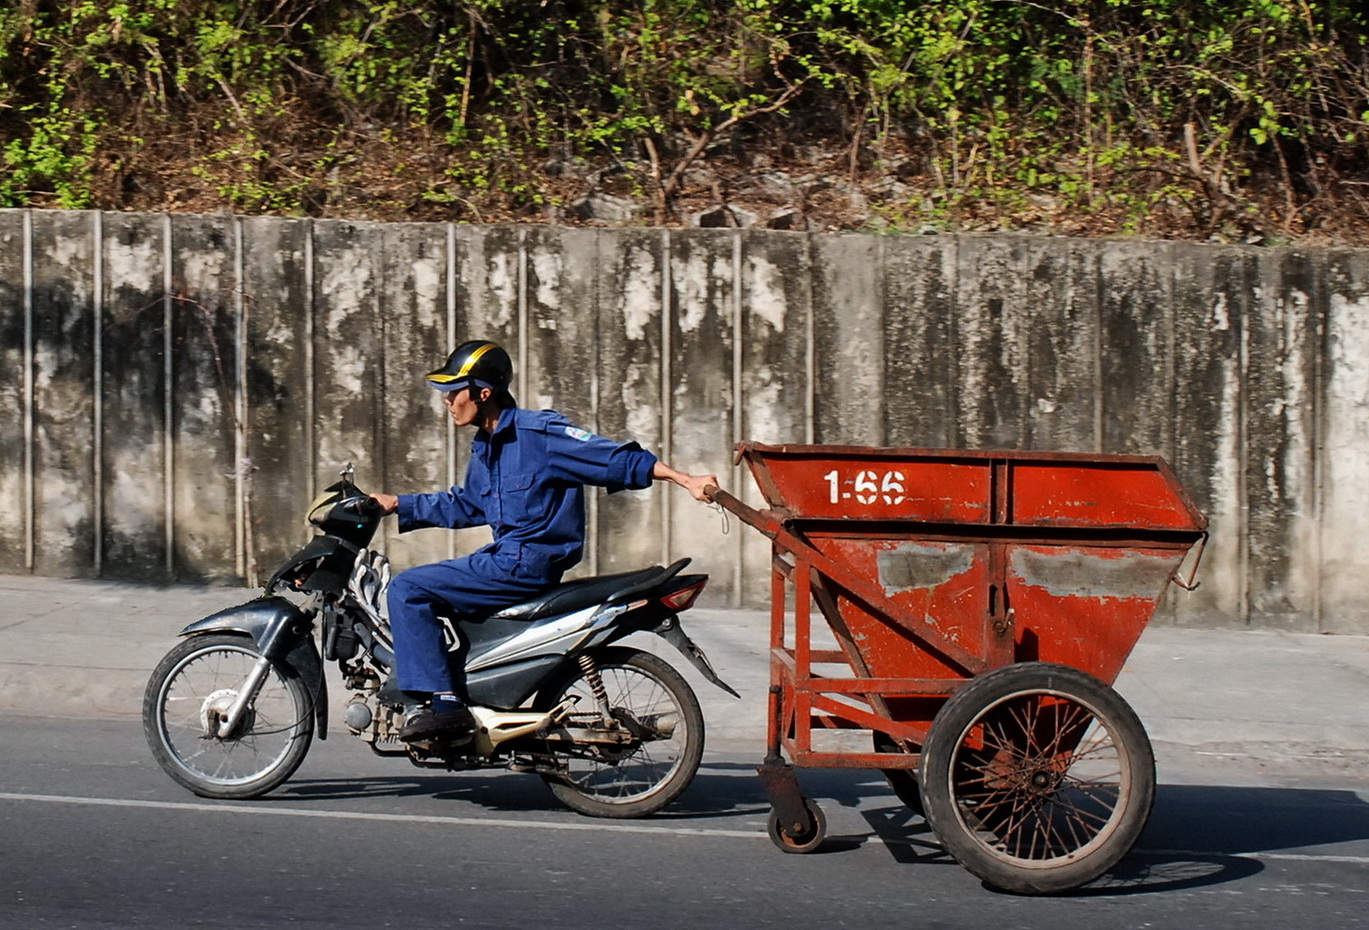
[462,406]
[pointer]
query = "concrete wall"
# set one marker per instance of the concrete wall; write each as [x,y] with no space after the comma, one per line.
[173,390]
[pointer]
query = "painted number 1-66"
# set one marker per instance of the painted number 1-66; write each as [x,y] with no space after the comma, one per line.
[867,487]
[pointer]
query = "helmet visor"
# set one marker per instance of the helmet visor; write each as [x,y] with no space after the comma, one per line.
[448,382]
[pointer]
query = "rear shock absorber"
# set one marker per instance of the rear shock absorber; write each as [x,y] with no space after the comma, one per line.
[596,683]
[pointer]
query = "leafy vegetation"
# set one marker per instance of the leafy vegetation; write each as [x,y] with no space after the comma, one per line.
[1238,119]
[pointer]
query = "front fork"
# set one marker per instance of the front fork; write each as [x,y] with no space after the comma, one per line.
[246,695]
[283,634]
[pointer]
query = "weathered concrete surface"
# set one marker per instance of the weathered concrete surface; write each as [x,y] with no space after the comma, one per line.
[133,394]
[174,390]
[68,378]
[204,346]
[273,382]
[15,408]
[633,286]
[1343,465]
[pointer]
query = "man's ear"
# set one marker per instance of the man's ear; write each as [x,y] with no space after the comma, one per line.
[485,395]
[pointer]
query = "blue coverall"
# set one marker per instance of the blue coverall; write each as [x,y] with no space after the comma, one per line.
[526,481]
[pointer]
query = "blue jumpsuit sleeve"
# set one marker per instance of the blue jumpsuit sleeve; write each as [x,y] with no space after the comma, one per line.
[583,457]
[453,509]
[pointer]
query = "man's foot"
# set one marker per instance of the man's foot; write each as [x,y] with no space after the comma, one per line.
[446,719]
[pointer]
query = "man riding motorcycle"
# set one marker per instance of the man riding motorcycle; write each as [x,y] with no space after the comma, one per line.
[525,480]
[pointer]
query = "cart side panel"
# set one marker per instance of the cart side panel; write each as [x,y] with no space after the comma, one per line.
[1064,490]
[855,488]
[942,585]
[1085,606]
[1084,495]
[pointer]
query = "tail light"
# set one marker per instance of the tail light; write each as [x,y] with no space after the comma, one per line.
[684,598]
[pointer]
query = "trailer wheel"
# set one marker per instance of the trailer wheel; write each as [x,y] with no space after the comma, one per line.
[804,840]
[1037,778]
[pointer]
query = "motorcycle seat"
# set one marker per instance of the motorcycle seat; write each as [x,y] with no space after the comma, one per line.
[587,592]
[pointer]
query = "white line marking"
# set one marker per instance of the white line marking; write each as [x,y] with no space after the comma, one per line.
[1284,857]
[616,827]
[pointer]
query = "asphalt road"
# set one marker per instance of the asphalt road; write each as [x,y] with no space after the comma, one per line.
[95,836]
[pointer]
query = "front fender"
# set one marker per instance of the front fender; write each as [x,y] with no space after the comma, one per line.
[282,633]
[326,563]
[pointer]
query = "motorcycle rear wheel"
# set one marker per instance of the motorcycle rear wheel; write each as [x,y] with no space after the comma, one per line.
[648,774]
[197,680]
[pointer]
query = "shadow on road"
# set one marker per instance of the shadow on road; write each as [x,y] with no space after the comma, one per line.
[1198,835]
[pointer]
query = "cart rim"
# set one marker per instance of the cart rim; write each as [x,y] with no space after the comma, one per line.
[1125,784]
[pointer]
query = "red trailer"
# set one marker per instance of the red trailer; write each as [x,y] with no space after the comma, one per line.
[982,605]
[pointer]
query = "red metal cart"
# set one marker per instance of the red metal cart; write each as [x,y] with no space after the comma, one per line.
[981,604]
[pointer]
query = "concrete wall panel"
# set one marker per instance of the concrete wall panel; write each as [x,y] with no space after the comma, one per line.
[848,350]
[1061,326]
[413,291]
[1136,350]
[490,287]
[561,336]
[1344,557]
[561,331]
[276,467]
[134,446]
[1211,300]
[631,527]
[1280,440]
[703,312]
[490,303]
[66,391]
[14,400]
[990,308]
[346,364]
[775,388]
[921,403]
[204,397]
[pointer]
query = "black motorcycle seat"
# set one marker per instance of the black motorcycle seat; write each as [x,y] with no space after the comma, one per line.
[586,592]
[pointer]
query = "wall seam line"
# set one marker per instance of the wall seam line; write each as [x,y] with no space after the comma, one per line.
[592,499]
[810,411]
[738,424]
[168,409]
[239,402]
[523,337]
[97,233]
[667,370]
[449,425]
[30,502]
[954,435]
[310,375]
[1243,440]
[1321,305]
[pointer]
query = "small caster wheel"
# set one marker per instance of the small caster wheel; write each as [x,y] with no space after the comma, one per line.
[799,841]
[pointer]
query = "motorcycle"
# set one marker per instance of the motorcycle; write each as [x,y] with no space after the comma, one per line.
[613,730]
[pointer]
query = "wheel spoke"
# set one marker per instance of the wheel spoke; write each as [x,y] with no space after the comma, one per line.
[634,772]
[1025,788]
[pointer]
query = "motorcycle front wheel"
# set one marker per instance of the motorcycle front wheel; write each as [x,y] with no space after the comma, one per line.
[192,689]
[646,697]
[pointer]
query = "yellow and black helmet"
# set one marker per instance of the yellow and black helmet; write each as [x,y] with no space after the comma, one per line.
[480,363]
